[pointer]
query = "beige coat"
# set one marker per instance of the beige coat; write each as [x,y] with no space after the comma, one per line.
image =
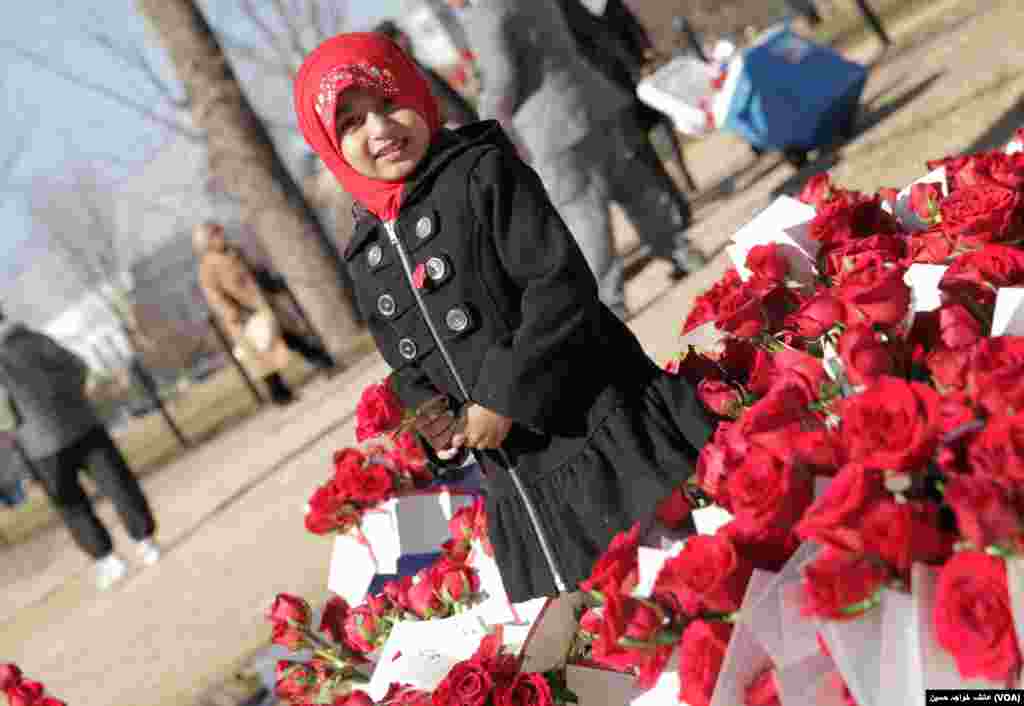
[233,295]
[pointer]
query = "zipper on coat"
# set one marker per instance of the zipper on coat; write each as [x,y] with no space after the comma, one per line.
[531,511]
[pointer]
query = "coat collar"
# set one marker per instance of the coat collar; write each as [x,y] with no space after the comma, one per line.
[447,146]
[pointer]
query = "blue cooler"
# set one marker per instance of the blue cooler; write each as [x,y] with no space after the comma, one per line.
[794,95]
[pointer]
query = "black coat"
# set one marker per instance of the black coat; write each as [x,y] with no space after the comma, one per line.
[517,309]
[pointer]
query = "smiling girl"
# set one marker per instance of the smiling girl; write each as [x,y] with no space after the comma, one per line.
[475,290]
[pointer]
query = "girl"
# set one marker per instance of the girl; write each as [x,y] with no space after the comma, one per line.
[474,289]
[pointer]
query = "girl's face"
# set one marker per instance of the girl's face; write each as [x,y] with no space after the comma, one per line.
[378,138]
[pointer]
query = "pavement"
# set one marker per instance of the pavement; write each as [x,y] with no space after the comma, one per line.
[230,512]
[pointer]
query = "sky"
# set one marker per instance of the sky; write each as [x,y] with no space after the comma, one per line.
[64,123]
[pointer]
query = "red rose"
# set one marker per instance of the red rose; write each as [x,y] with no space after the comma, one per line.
[295,680]
[931,247]
[958,328]
[675,510]
[985,511]
[590,622]
[851,216]
[924,201]
[817,315]
[903,533]
[839,586]
[289,608]
[379,411]
[973,621]
[1008,169]
[332,621]
[817,191]
[864,355]
[767,492]
[454,582]
[627,638]
[10,675]
[616,569]
[976,215]
[423,599]
[768,368]
[763,690]
[767,550]
[949,368]
[876,295]
[370,485]
[409,456]
[25,693]
[976,276]
[705,307]
[708,574]
[720,398]
[995,375]
[363,629]
[469,683]
[741,312]
[892,425]
[998,451]
[784,412]
[872,251]
[702,652]
[766,262]
[398,593]
[527,689]
[832,518]
[717,458]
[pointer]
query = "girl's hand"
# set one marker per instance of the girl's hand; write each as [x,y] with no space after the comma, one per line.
[485,429]
[437,424]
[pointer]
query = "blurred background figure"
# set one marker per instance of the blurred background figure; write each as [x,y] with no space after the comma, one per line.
[60,433]
[240,298]
[456,111]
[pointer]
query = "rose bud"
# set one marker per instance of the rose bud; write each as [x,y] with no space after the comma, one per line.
[460,527]
[674,511]
[973,619]
[765,261]
[817,190]
[287,607]
[590,622]
[423,599]
[720,398]
[332,622]
[9,676]
[363,631]
[924,201]
[454,582]
[379,411]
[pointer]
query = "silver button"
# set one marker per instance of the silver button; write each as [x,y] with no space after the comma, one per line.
[457,319]
[424,227]
[374,255]
[407,348]
[437,269]
[386,305]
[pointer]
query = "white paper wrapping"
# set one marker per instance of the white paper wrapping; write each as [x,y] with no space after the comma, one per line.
[1008,319]
[677,89]
[901,209]
[785,222]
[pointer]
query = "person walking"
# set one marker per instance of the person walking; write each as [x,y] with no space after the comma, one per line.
[559,111]
[264,336]
[456,111]
[61,435]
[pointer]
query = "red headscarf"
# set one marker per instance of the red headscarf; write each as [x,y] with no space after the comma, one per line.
[367,60]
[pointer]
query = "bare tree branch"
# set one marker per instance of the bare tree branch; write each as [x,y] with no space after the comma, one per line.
[271,37]
[291,28]
[141,108]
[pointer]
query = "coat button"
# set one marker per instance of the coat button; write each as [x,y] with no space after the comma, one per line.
[424,228]
[374,255]
[407,348]
[437,269]
[457,319]
[386,305]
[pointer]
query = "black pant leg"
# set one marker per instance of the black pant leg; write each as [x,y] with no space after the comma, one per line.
[58,474]
[312,352]
[115,480]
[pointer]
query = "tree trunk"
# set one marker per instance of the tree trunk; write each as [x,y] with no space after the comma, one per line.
[242,155]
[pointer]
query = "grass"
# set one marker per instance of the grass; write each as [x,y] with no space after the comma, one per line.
[201,412]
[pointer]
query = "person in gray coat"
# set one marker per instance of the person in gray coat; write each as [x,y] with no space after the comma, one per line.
[571,124]
[60,433]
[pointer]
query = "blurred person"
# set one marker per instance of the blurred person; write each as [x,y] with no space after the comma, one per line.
[559,110]
[617,45]
[61,434]
[455,110]
[239,298]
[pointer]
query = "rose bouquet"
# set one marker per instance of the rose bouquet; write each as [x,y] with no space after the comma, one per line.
[348,636]
[21,691]
[893,394]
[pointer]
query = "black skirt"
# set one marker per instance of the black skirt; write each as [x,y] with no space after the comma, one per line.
[640,442]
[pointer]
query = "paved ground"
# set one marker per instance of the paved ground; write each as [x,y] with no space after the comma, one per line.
[230,512]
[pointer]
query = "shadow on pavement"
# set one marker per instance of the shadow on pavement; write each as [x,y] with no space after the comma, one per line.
[1000,132]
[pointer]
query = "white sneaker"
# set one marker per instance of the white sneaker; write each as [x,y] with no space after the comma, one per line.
[150,551]
[109,570]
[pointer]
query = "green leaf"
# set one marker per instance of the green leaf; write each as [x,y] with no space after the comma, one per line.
[872,601]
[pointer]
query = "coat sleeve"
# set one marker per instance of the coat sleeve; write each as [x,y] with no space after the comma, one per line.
[523,377]
[412,386]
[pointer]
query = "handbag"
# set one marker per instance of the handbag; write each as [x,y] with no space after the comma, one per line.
[260,331]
